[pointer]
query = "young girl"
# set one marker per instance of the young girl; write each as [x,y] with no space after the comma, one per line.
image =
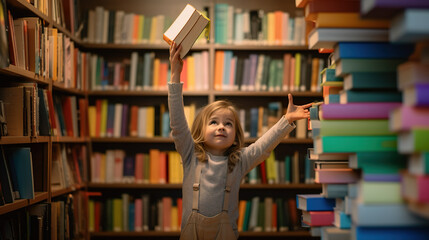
[215,160]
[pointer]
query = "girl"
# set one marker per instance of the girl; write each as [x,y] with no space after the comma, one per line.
[215,160]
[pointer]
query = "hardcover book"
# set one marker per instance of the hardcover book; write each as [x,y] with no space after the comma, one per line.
[186,29]
[314,202]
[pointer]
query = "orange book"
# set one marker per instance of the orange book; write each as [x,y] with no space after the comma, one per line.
[348,20]
[293,213]
[184,74]
[286,70]
[219,58]
[138,169]
[274,214]
[278,15]
[136,28]
[163,72]
[83,110]
[154,156]
[155,80]
[167,203]
[241,213]
[314,73]
[134,120]
[162,167]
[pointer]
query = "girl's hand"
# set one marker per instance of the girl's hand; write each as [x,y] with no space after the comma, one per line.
[295,112]
[176,62]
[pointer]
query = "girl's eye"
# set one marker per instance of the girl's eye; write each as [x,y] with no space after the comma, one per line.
[228,124]
[212,122]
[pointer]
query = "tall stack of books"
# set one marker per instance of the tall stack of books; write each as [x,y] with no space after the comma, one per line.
[363,116]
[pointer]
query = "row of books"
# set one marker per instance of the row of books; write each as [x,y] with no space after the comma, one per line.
[130,213]
[68,116]
[59,219]
[43,50]
[235,25]
[261,72]
[147,72]
[68,166]
[117,166]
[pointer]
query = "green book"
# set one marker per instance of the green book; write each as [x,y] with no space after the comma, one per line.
[247,216]
[378,127]
[91,215]
[287,169]
[351,96]
[345,66]
[379,192]
[109,215]
[261,217]
[345,144]
[370,80]
[117,214]
[413,141]
[378,162]
[328,78]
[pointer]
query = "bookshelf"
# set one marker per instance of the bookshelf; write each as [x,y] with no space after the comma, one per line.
[46,145]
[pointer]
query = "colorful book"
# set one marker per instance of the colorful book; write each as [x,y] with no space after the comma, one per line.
[368,127]
[329,37]
[392,233]
[350,96]
[378,162]
[313,7]
[358,110]
[409,26]
[417,95]
[414,140]
[366,80]
[341,175]
[345,144]
[414,187]
[330,190]
[418,163]
[345,66]
[20,164]
[379,192]
[370,50]
[314,202]
[318,218]
[347,20]
[405,118]
[387,9]
[342,220]
[410,73]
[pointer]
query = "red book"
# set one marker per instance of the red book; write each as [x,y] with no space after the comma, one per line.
[97,216]
[318,218]
[67,113]
[97,117]
[139,168]
[162,167]
[293,213]
[83,111]
[134,120]
[263,172]
[179,211]
[52,119]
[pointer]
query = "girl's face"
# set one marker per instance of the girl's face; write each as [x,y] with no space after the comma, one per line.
[220,132]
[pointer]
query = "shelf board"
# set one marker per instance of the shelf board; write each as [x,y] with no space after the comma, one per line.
[259,46]
[139,46]
[267,93]
[21,203]
[60,87]
[132,139]
[25,6]
[23,139]
[179,186]
[57,139]
[13,70]
[141,93]
[135,185]
[59,192]
[177,233]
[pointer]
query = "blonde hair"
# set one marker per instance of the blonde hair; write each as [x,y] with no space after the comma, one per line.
[199,126]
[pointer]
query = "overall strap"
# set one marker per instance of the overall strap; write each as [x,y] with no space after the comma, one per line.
[227,191]
[196,186]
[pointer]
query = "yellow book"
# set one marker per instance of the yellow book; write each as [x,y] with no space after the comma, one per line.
[270,164]
[348,20]
[103,123]
[155,80]
[241,213]
[91,216]
[191,72]
[154,165]
[150,121]
[297,71]
[91,120]
[141,26]
[53,37]
[271,34]
[117,214]
[173,174]
[174,218]
[154,25]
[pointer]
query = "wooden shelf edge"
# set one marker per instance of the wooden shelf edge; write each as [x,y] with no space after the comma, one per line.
[21,203]
[179,186]
[300,233]
[59,192]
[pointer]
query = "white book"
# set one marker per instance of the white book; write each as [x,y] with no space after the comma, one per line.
[99,20]
[117,122]
[133,70]
[105,26]
[119,18]
[109,166]
[142,122]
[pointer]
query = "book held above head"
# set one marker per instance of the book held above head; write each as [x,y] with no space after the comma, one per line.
[187,28]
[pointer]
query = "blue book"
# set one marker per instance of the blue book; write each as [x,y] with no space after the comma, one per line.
[335,190]
[226,69]
[221,23]
[129,169]
[131,216]
[288,178]
[253,69]
[372,50]
[165,128]
[391,233]
[110,119]
[342,220]
[147,68]
[254,122]
[314,202]
[21,169]
[410,26]
[393,215]
[351,96]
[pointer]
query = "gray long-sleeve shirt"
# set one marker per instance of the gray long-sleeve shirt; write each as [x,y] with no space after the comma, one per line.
[214,171]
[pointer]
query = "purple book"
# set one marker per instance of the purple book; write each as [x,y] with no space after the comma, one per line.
[124,127]
[381,177]
[387,9]
[417,95]
[358,110]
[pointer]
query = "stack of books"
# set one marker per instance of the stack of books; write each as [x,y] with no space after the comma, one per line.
[363,115]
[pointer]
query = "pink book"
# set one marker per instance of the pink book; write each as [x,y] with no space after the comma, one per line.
[286,69]
[358,110]
[343,175]
[139,168]
[415,187]
[318,218]
[292,75]
[167,202]
[205,57]
[405,117]
[138,216]
[119,165]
